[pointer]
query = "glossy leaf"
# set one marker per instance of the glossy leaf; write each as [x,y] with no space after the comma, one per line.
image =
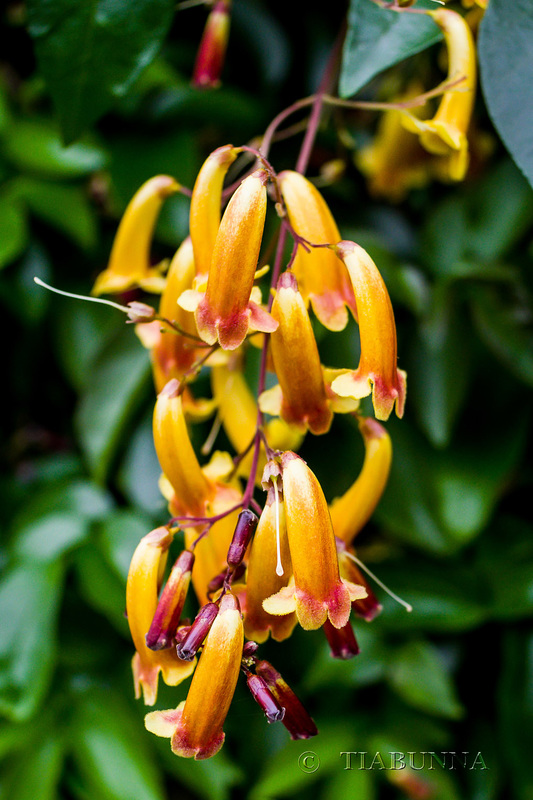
[506,58]
[106,45]
[13,228]
[378,38]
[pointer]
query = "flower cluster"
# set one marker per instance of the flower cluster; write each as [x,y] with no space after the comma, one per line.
[261,546]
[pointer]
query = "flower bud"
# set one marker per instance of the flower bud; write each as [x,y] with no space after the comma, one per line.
[170,605]
[245,529]
[342,641]
[212,50]
[264,698]
[296,719]
[189,646]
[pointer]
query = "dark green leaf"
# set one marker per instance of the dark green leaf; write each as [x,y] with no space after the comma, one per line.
[417,673]
[35,771]
[378,38]
[91,53]
[506,66]
[101,587]
[29,599]
[13,228]
[49,537]
[34,146]
[111,751]
[118,536]
[119,381]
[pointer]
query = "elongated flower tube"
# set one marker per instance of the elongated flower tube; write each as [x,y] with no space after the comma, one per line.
[129,263]
[212,49]
[206,200]
[269,568]
[226,313]
[141,604]
[445,134]
[195,726]
[377,372]
[351,512]
[296,363]
[296,719]
[318,591]
[176,454]
[322,280]
[167,615]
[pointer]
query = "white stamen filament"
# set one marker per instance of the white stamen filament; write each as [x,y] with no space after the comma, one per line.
[101,300]
[394,596]
[279,565]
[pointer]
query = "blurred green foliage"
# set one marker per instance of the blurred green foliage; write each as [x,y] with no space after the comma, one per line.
[453,534]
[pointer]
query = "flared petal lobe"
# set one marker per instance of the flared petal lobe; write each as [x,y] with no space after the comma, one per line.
[318,591]
[297,361]
[142,588]
[195,727]
[377,372]
[322,280]
[129,263]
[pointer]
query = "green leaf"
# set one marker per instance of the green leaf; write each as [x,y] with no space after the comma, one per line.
[13,228]
[118,536]
[505,49]
[36,770]
[34,146]
[70,499]
[119,381]
[212,778]
[417,674]
[101,587]
[64,207]
[91,53]
[140,471]
[29,600]
[111,751]
[378,38]
[50,537]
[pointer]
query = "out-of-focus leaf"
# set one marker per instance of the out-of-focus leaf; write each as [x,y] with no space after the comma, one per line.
[140,471]
[111,751]
[505,327]
[13,228]
[439,369]
[366,668]
[34,772]
[49,537]
[515,709]
[77,498]
[91,53]
[418,675]
[118,535]
[287,772]
[266,39]
[29,599]
[506,58]
[34,146]
[65,207]
[101,587]
[119,381]
[212,778]
[506,559]
[378,38]
[352,782]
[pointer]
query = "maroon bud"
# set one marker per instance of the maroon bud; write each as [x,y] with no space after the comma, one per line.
[244,530]
[190,645]
[297,721]
[369,607]
[250,649]
[342,641]
[167,616]
[264,697]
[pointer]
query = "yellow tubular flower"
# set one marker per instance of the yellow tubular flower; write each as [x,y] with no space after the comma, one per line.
[377,372]
[351,512]
[129,263]
[445,134]
[318,591]
[176,454]
[206,200]
[226,313]
[141,602]
[296,363]
[195,726]
[322,280]
[262,578]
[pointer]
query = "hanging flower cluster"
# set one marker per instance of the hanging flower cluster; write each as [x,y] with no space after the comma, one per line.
[262,548]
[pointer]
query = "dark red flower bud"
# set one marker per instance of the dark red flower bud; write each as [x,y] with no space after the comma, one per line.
[342,641]
[244,530]
[264,697]
[296,719]
[190,645]
[170,604]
